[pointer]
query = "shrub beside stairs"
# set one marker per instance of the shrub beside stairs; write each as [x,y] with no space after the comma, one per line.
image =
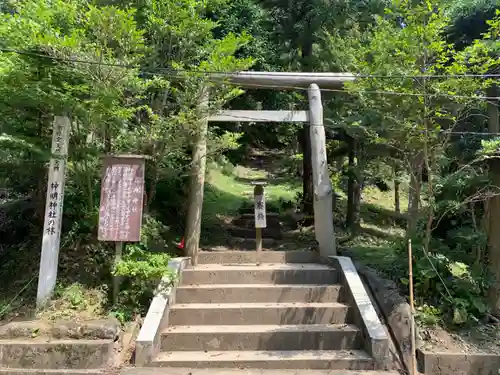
[291,312]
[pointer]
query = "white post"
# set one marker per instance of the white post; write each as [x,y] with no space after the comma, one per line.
[53,210]
[323,199]
[260,217]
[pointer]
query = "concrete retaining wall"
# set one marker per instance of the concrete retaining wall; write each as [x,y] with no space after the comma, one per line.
[55,354]
[374,335]
[393,307]
[148,342]
[397,314]
[458,364]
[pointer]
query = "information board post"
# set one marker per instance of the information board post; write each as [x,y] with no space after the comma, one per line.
[117,279]
[260,215]
[120,211]
[53,211]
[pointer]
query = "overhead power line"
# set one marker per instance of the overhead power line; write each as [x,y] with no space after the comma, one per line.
[230,74]
[178,74]
[335,127]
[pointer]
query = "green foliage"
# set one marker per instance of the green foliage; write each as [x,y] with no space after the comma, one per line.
[398,120]
[75,299]
[490,148]
[109,67]
[469,19]
[451,277]
[429,315]
[142,271]
[446,288]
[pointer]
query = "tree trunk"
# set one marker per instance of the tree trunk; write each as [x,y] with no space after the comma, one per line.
[397,204]
[356,206]
[297,150]
[158,104]
[353,220]
[494,209]
[152,188]
[307,187]
[41,183]
[197,183]
[307,180]
[350,188]
[494,237]
[107,139]
[414,192]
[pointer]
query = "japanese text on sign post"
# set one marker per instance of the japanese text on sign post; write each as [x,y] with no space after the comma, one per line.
[260,210]
[122,190]
[53,210]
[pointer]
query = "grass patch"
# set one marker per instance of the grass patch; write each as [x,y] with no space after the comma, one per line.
[226,192]
[76,302]
[81,292]
[381,227]
[84,278]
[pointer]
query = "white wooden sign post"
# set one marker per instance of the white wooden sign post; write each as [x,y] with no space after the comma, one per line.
[260,215]
[53,210]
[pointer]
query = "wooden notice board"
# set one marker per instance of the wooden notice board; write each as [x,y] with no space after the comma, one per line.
[122,191]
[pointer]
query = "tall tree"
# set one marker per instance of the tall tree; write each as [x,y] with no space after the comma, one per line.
[112,70]
[300,25]
[408,42]
[468,20]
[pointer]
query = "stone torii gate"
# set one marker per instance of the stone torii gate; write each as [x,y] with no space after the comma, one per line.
[323,215]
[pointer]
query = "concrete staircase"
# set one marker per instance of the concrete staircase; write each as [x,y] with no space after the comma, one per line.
[291,312]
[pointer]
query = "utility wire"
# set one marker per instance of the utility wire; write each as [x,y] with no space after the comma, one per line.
[335,127]
[235,74]
[178,75]
[378,92]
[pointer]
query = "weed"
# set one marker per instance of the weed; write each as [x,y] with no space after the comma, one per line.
[76,302]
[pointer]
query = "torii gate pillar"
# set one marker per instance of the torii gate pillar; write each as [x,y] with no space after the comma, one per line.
[323,192]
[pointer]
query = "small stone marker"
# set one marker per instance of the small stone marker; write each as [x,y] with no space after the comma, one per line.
[53,210]
[260,214]
[120,212]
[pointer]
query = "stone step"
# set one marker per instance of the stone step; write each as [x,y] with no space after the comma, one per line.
[250,232]
[42,353]
[261,337]
[242,243]
[247,293]
[258,313]
[279,273]
[248,221]
[250,212]
[244,371]
[232,257]
[301,359]
[26,371]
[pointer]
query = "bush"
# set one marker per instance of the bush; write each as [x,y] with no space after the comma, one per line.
[142,271]
[446,288]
